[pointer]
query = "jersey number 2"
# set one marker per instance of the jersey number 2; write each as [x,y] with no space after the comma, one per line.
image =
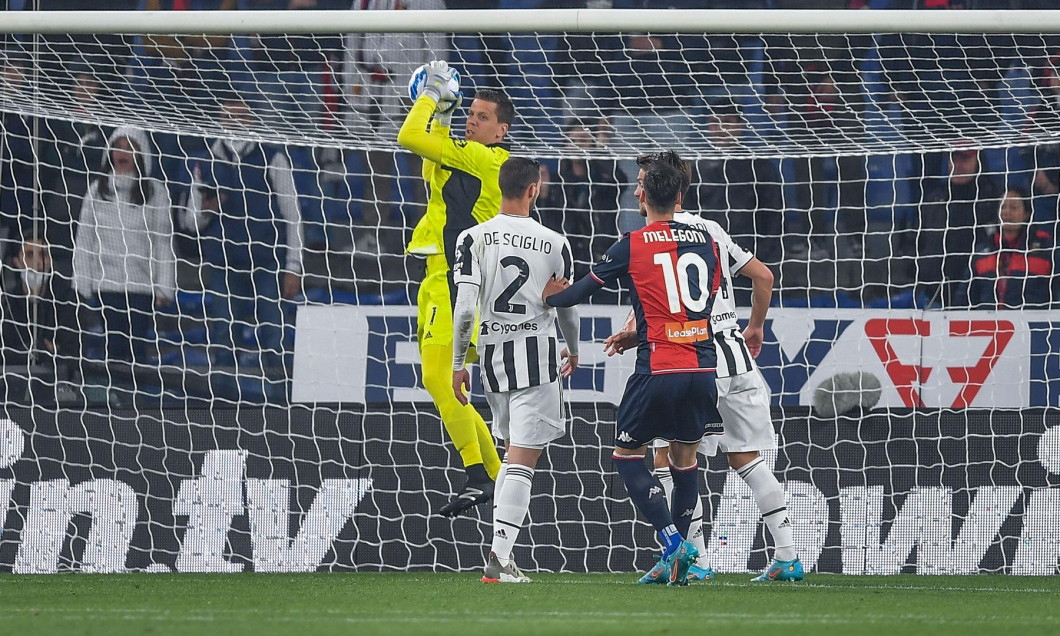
[678,291]
[503,304]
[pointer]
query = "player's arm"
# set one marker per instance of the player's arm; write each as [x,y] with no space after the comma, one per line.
[467,278]
[761,294]
[569,321]
[414,135]
[559,293]
[463,326]
[436,99]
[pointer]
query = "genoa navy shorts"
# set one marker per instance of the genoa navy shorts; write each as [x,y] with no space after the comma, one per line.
[670,406]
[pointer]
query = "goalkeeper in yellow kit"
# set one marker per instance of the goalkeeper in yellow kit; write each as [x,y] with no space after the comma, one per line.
[462,182]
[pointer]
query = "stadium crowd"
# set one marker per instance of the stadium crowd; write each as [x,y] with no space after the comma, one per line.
[959,228]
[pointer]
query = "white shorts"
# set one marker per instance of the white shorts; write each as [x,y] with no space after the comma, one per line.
[743,401]
[528,418]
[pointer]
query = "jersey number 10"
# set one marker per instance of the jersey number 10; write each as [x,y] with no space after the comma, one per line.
[678,291]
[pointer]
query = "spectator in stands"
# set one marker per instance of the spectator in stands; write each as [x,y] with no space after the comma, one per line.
[954,219]
[243,206]
[831,188]
[76,150]
[284,71]
[17,158]
[650,84]
[38,311]
[1046,183]
[376,73]
[1014,268]
[741,194]
[174,72]
[123,251]
[588,191]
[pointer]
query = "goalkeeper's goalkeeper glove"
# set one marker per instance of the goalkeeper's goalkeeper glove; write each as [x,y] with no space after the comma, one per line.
[443,114]
[437,84]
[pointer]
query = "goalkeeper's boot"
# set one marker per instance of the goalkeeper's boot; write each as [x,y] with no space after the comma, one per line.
[782,571]
[700,573]
[683,558]
[659,574]
[478,489]
[494,572]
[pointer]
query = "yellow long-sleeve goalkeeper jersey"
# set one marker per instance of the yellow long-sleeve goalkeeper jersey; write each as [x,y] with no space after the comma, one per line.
[461,178]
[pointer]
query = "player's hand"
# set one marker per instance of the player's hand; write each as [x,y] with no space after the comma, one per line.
[570,363]
[437,84]
[443,113]
[619,343]
[554,286]
[461,381]
[753,338]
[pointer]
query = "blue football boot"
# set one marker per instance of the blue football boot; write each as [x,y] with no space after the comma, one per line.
[697,573]
[782,571]
[681,561]
[659,574]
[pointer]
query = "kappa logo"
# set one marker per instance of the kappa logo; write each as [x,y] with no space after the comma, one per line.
[689,512]
[654,490]
[625,437]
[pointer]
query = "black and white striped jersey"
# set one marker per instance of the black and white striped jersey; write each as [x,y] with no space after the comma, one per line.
[510,258]
[733,356]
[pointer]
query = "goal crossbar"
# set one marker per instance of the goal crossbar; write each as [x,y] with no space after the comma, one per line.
[524,21]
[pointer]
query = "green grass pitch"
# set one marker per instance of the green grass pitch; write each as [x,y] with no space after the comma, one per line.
[582,604]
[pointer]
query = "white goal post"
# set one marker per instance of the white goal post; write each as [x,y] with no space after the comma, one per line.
[532,20]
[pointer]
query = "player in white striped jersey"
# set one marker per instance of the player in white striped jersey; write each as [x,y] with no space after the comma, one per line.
[743,397]
[500,267]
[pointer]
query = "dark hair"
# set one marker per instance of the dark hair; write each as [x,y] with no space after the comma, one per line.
[670,158]
[662,185]
[505,107]
[516,175]
[142,191]
[1021,195]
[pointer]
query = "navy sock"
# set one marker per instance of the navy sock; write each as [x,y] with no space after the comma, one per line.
[647,494]
[686,492]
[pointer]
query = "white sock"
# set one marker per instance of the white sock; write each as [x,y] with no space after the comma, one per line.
[497,483]
[513,501]
[770,498]
[667,481]
[695,534]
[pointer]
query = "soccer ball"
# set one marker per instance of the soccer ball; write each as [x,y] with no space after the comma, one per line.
[419,78]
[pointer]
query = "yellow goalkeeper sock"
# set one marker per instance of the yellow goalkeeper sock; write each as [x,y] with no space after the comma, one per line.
[465,426]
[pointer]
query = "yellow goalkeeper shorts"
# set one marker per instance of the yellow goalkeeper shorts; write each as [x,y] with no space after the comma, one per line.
[434,320]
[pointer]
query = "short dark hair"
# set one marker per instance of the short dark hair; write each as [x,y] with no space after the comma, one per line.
[505,107]
[670,158]
[662,185]
[516,175]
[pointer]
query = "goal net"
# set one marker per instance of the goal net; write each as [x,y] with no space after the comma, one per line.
[209,321]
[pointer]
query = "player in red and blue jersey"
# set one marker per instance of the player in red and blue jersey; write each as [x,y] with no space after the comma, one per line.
[673,274]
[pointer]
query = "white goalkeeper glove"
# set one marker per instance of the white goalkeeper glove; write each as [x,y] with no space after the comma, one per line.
[437,84]
[443,114]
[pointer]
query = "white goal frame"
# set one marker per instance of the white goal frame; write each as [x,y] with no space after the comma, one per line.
[523,20]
